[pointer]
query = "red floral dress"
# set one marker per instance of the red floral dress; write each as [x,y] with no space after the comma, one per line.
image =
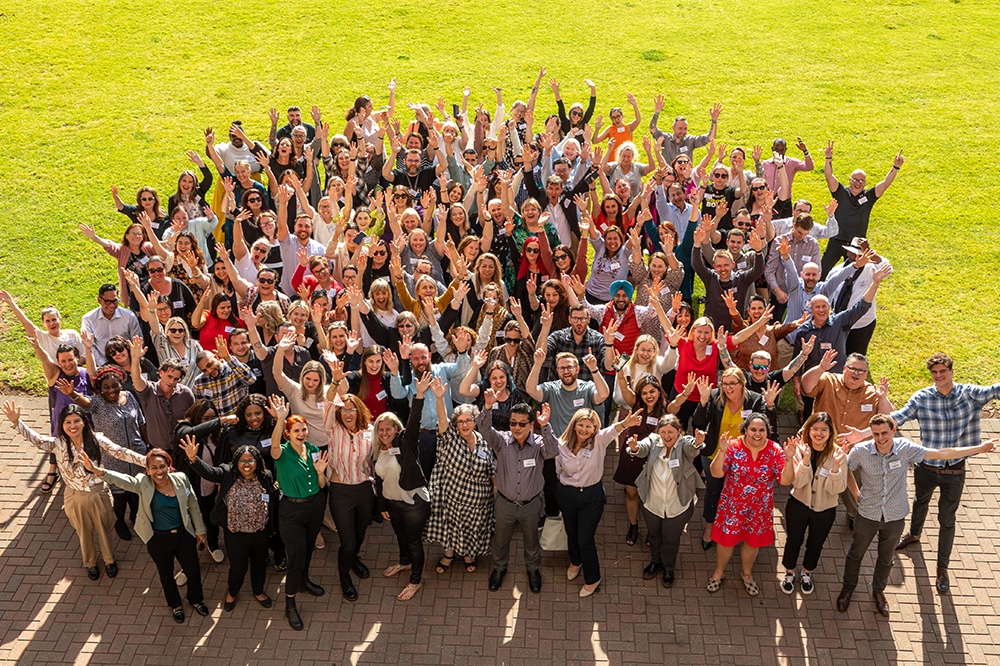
[746,508]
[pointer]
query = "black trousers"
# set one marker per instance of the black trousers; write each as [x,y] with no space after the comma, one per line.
[833,254]
[408,521]
[351,507]
[551,482]
[951,485]
[426,451]
[124,501]
[859,338]
[299,523]
[713,490]
[246,550]
[582,509]
[206,504]
[665,536]
[163,548]
[798,519]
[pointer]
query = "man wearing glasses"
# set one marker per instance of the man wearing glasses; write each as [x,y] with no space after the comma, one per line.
[849,399]
[108,320]
[854,204]
[718,191]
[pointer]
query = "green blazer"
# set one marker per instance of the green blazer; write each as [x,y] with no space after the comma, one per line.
[143,486]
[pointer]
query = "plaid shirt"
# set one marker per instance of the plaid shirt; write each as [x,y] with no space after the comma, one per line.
[228,388]
[563,341]
[948,420]
[884,496]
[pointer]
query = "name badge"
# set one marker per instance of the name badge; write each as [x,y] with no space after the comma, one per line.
[615,265]
[683,149]
[309,342]
[866,408]
[265,443]
[155,225]
[394,451]
[824,472]
[673,463]
[586,453]
[483,453]
[895,464]
[230,329]
[652,420]
[826,345]
[763,340]
[578,402]
[264,497]
[710,349]
[315,456]
[178,305]
[143,260]
[381,395]
[619,336]
[862,200]
[745,413]
[530,462]
[664,291]
[807,257]
[742,266]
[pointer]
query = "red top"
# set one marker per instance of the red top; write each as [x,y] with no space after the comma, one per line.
[375,404]
[687,362]
[214,327]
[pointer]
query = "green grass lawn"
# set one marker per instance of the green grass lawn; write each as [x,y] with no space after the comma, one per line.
[106,93]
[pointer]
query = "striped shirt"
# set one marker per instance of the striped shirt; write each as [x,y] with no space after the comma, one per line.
[884,496]
[350,454]
[948,420]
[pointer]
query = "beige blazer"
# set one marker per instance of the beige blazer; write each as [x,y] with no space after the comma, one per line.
[143,486]
[822,491]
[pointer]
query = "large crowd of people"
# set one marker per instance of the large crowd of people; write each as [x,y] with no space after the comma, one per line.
[443,318]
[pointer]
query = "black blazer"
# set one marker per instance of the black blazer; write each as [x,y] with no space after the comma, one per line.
[710,415]
[411,475]
[226,477]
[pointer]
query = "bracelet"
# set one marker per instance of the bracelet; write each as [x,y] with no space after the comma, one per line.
[609,345]
[805,152]
[894,167]
[829,159]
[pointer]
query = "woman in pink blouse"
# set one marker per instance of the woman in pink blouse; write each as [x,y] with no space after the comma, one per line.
[580,493]
[348,424]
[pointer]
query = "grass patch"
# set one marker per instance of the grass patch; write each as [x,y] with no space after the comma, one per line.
[110,92]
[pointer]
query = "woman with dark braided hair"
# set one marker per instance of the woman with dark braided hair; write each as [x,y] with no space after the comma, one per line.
[246,509]
[115,414]
[86,499]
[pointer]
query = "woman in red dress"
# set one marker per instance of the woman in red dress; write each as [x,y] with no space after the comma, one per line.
[750,464]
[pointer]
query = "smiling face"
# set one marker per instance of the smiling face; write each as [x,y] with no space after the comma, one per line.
[568,370]
[52,322]
[613,242]
[498,379]
[855,373]
[387,432]
[584,429]
[187,183]
[819,433]
[338,339]
[111,389]
[298,432]
[820,308]
[73,426]
[645,352]
[668,435]
[701,335]
[210,366]
[311,381]
[68,363]
[158,469]
[858,181]
[756,433]
[649,395]
[254,415]
[109,302]
[373,364]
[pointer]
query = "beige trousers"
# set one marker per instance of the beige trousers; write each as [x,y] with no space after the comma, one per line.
[89,512]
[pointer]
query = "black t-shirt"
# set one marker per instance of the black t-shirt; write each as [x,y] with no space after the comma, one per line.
[853,212]
[417,185]
[712,198]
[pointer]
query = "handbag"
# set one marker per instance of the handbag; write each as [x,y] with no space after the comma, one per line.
[553,535]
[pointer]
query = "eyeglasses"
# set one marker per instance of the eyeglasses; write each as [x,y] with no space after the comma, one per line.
[519,424]
[857,371]
[857,180]
[576,113]
[248,463]
[566,368]
[758,188]
[175,330]
[151,271]
[110,301]
[758,366]
[519,163]
[349,410]
[731,384]
[400,195]
[338,144]
[512,341]
[406,324]
[579,318]
[531,250]
[742,224]
[264,280]
[465,421]
[720,175]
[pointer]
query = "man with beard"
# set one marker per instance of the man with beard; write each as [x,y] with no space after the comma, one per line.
[163,403]
[577,339]
[802,249]
[290,244]
[621,318]
[224,380]
[414,178]
[672,206]
[418,356]
[721,277]
[294,121]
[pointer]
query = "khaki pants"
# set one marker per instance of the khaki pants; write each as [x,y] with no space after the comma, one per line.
[89,512]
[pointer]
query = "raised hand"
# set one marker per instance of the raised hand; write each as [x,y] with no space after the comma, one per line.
[771,393]
[189,445]
[279,406]
[392,363]
[828,361]
[438,387]
[12,412]
[807,345]
[590,360]
[539,356]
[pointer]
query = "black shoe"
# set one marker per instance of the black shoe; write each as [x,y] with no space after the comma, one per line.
[633,534]
[496,579]
[93,573]
[266,602]
[111,569]
[668,578]
[881,604]
[705,545]
[292,614]
[850,524]
[229,605]
[941,583]
[178,614]
[123,531]
[201,609]
[359,568]
[651,570]
[312,588]
[844,600]
[535,581]
[347,586]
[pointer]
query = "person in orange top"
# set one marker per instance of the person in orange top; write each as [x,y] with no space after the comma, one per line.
[618,130]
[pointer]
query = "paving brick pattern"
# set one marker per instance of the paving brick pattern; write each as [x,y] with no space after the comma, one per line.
[51,613]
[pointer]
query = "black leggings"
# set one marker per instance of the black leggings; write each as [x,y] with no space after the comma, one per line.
[351,507]
[246,550]
[408,521]
[124,500]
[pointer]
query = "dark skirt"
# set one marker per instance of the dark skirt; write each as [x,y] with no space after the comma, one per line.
[628,468]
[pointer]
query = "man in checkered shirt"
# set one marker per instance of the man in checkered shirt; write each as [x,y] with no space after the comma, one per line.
[224,380]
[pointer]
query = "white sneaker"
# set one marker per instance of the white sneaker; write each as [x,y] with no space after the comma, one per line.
[788,583]
[218,555]
[180,578]
[806,583]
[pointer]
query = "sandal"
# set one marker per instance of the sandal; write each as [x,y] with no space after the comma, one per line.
[409,591]
[715,584]
[395,569]
[442,565]
[470,567]
[320,542]
[751,587]
[633,534]
[47,485]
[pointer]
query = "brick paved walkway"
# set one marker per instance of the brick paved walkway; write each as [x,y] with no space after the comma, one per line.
[51,613]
